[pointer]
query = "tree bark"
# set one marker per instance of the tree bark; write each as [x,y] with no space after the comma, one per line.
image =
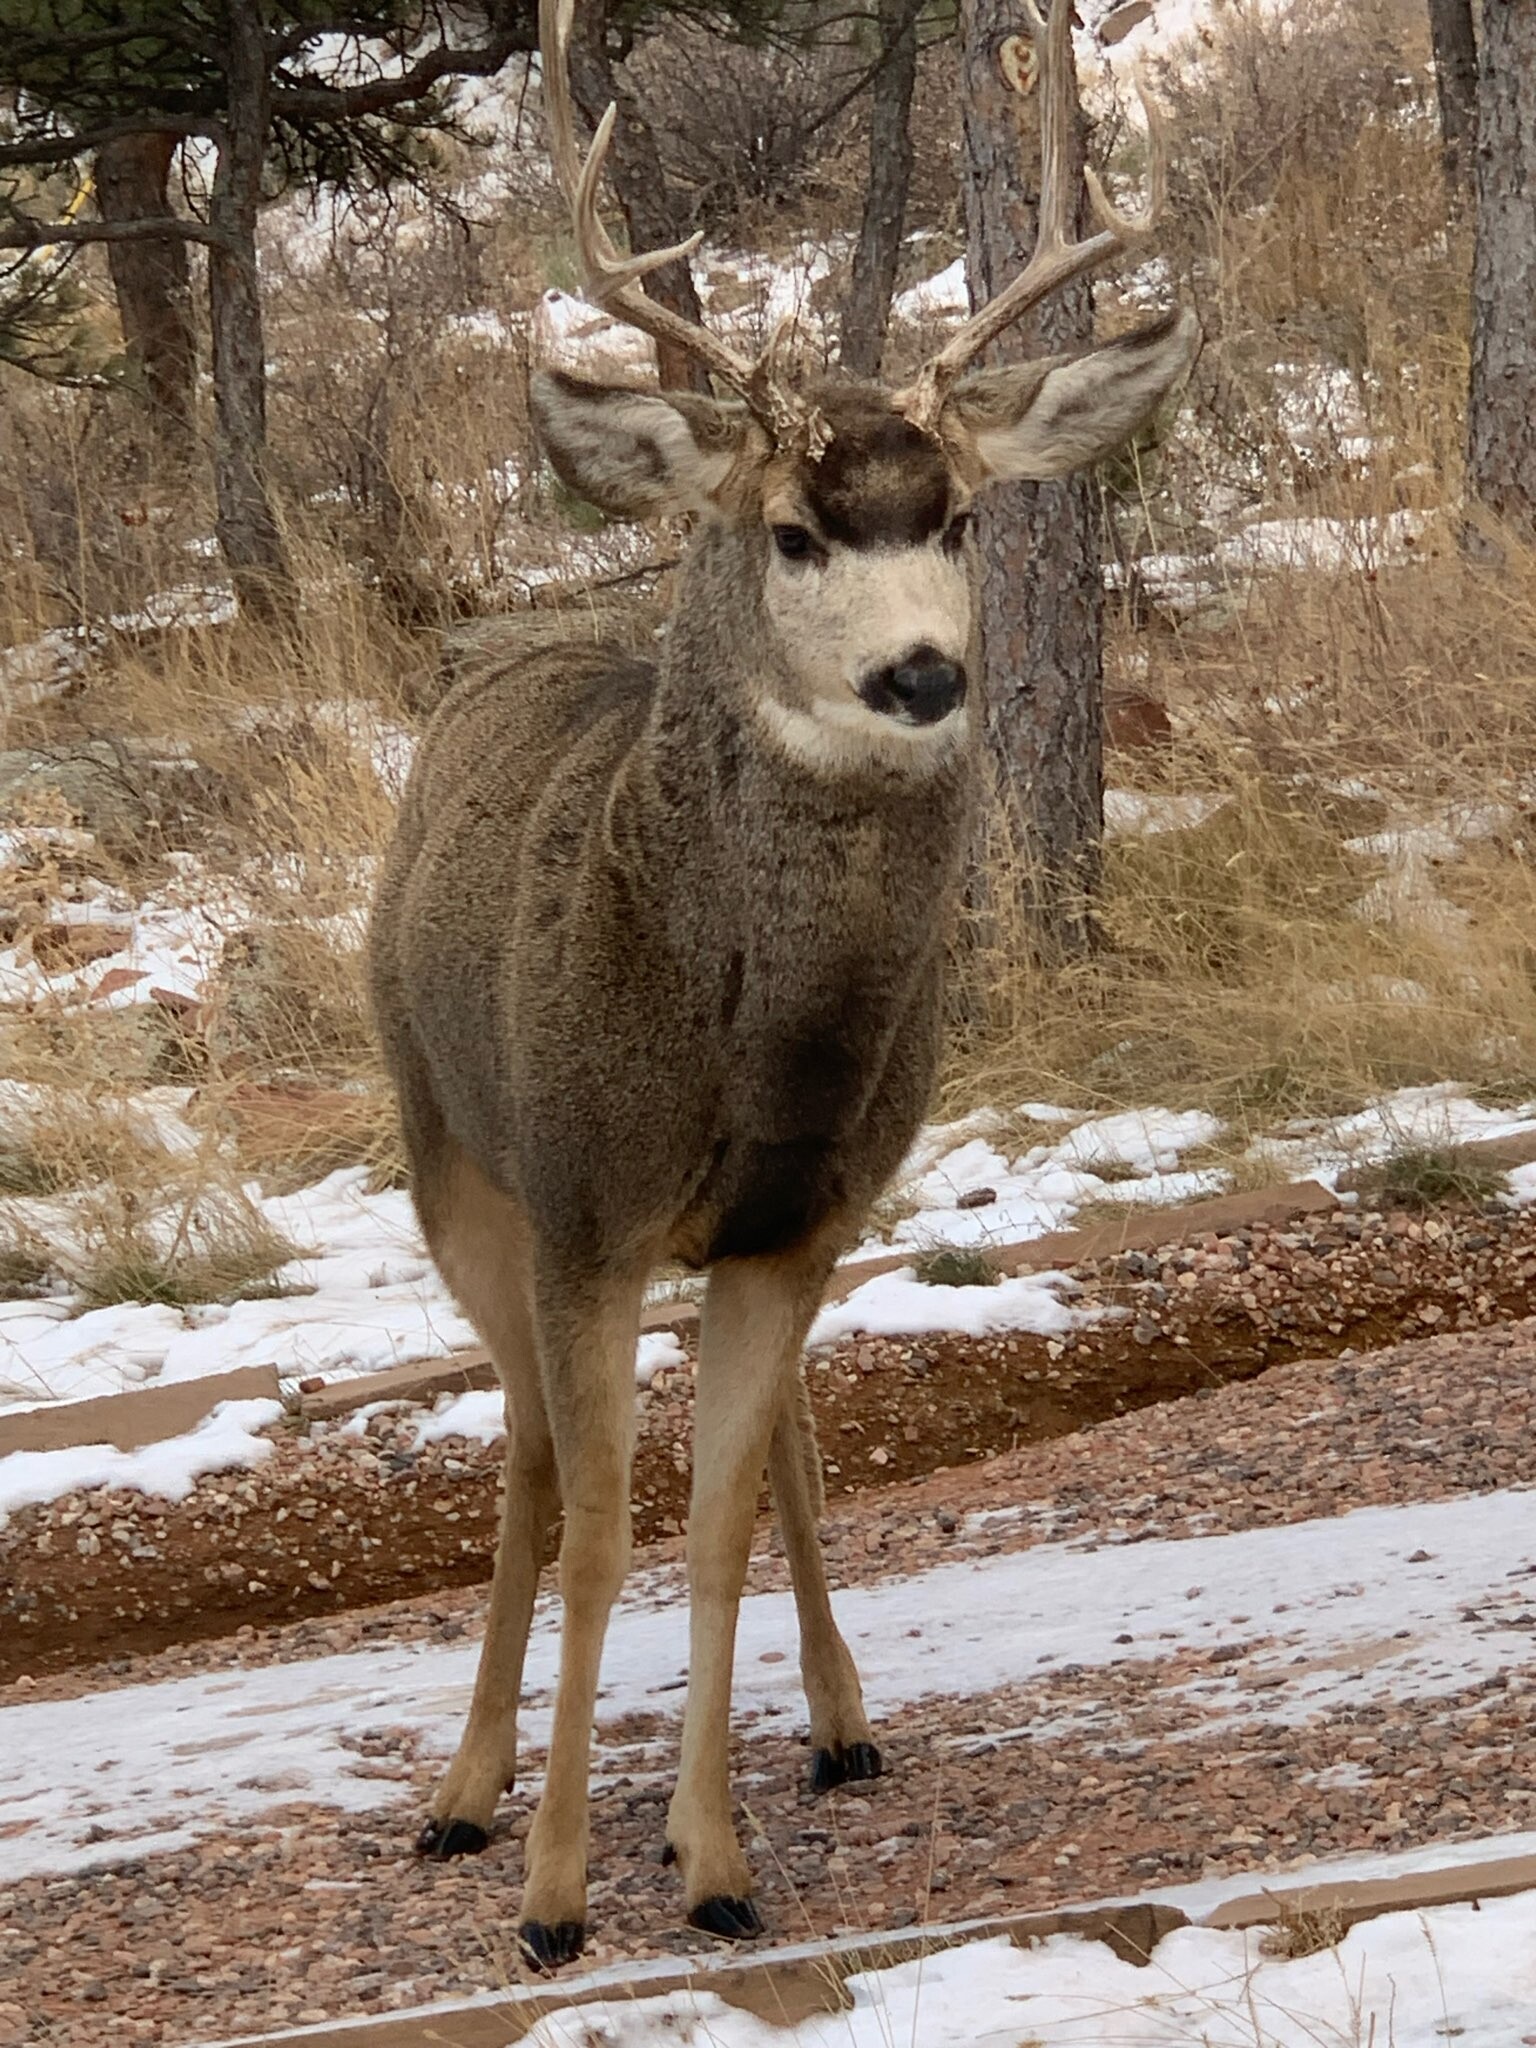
[867,309]
[1041,599]
[652,215]
[1455,46]
[1501,404]
[152,285]
[247,525]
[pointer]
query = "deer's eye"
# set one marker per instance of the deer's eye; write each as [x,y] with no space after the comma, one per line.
[795,543]
[955,532]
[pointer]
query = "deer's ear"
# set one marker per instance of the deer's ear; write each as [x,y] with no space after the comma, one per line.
[637,454]
[1045,419]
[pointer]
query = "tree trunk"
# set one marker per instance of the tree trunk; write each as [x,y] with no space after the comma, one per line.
[651,213]
[1041,619]
[1501,405]
[247,525]
[152,285]
[867,310]
[1455,44]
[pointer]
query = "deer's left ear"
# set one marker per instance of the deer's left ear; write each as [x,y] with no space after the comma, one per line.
[1045,419]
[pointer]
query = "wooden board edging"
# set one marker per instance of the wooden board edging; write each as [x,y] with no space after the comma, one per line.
[791,1984]
[145,1415]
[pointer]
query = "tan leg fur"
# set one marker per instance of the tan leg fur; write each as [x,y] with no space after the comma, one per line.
[587,1334]
[755,1318]
[840,1733]
[480,1240]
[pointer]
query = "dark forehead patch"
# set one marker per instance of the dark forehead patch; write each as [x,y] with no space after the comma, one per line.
[880,483]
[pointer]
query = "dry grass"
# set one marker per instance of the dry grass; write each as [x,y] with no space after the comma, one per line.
[1432,1177]
[95,1199]
[1354,911]
[949,1265]
[1303,1930]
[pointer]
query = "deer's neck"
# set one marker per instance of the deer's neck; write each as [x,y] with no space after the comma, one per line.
[859,863]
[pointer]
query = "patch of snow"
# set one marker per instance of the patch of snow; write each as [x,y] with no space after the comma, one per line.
[45,667]
[227,1440]
[945,296]
[1408,894]
[48,1353]
[657,1351]
[1137,814]
[1151,1139]
[1183,583]
[172,943]
[898,1304]
[481,1413]
[188,605]
[566,333]
[1412,1979]
[1041,1189]
[485,328]
[1435,1115]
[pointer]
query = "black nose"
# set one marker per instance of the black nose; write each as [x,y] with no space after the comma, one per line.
[921,690]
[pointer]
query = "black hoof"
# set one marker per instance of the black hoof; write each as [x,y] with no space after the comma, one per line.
[731,1919]
[548,1947]
[442,1839]
[833,1767]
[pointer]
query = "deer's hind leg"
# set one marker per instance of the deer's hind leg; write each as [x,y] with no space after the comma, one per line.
[841,1744]
[480,1240]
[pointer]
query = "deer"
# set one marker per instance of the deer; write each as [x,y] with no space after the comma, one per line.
[657,959]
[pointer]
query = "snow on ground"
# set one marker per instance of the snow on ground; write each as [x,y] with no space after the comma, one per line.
[1437,1115]
[363,1294]
[900,1305]
[104,1777]
[1132,1156]
[1184,583]
[229,1439]
[945,296]
[1411,1980]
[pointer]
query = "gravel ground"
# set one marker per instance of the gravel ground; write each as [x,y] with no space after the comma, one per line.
[339,1521]
[309,1914]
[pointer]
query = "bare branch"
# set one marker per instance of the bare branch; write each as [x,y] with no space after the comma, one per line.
[312,102]
[64,148]
[21,233]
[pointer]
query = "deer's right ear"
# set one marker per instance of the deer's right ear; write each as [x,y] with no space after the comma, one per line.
[637,454]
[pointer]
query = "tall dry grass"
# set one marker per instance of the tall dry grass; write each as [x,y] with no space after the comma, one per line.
[1354,908]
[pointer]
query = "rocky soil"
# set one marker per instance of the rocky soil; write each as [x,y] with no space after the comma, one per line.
[337,1520]
[1134,1784]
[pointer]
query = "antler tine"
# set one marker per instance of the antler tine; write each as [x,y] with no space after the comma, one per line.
[1057,258]
[607,270]
[612,280]
[1132,226]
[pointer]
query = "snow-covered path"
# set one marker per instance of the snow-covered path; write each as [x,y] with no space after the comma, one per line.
[1403,1602]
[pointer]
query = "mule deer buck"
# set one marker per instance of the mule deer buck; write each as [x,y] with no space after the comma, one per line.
[657,955]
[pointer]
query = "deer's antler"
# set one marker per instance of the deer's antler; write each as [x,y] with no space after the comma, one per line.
[1057,259]
[611,280]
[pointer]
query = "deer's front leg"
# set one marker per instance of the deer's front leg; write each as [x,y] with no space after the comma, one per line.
[755,1318]
[587,1357]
